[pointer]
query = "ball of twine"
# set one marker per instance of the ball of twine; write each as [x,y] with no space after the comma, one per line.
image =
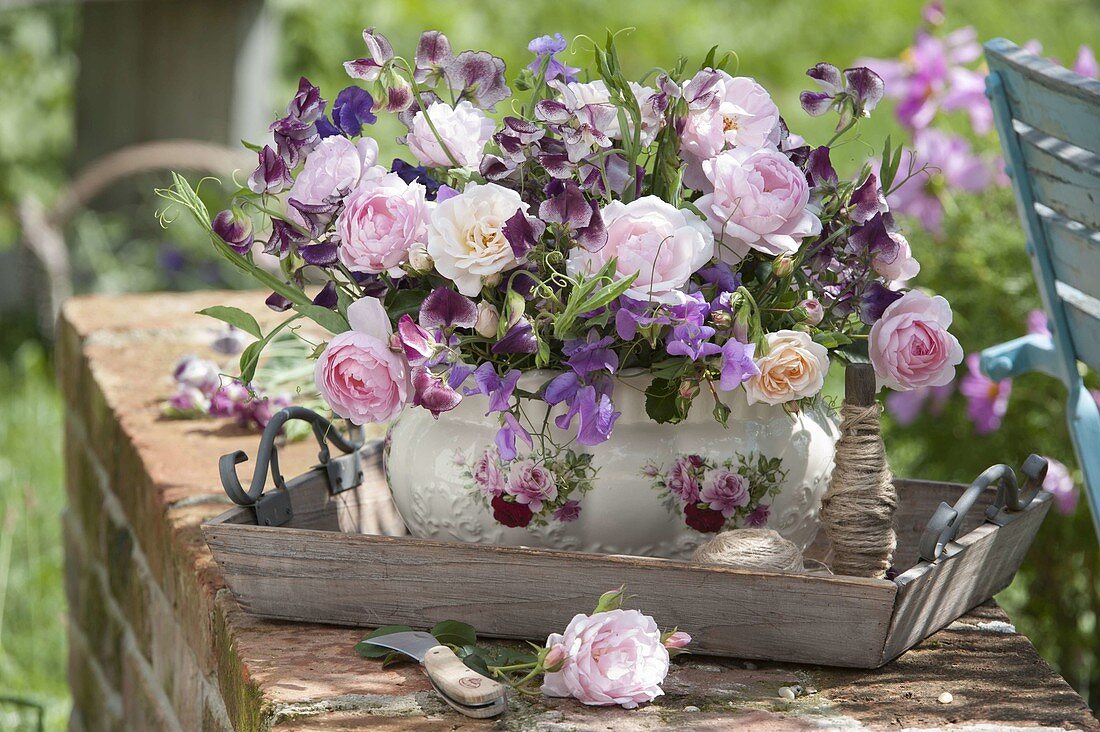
[751,549]
[858,508]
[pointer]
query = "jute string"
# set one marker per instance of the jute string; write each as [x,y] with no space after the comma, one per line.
[751,549]
[858,508]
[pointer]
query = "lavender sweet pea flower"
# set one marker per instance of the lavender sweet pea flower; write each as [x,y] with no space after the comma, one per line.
[693,311]
[379,54]
[568,511]
[499,390]
[1085,64]
[546,47]
[944,162]
[691,340]
[432,393]
[855,92]
[591,354]
[445,308]
[721,276]
[596,414]
[738,365]
[506,437]
[1059,483]
[234,228]
[271,175]
[632,314]
[433,53]
[477,76]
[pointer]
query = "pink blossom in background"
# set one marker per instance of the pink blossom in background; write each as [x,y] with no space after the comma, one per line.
[1085,63]
[613,657]
[1060,484]
[906,406]
[1037,323]
[931,75]
[986,400]
[939,161]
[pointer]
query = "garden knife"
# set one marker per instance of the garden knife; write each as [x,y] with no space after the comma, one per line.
[462,688]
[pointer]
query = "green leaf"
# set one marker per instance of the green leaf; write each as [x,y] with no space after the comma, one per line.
[403,302]
[832,339]
[236,317]
[855,352]
[250,359]
[330,320]
[660,401]
[611,600]
[367,650]
[252,146]
[454,633]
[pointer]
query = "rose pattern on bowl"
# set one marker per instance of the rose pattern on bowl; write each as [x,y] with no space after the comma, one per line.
[715,495]
[530,490]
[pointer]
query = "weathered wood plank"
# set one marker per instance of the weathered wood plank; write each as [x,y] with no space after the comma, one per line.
[978,566]
[1083,316]
[515,592]
[1063,177]
[1074,250]
[1056,101]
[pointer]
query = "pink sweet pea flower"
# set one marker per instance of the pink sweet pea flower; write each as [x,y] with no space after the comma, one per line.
[613,657]
[358,374]
[1059,482]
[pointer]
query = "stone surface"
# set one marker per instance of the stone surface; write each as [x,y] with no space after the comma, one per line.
[158,642]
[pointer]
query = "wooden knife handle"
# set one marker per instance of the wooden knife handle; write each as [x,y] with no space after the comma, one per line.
[458,681]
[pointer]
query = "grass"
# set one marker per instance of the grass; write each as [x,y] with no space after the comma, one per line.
[32,605]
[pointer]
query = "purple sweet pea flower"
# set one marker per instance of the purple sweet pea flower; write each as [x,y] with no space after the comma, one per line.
[986,400]
[283,238]
[433,53]
[445,308]
[307,105]
[567,205]
[278,303]
[819,169]
[693,341]
[433,393]
[234,228]
[417,343]
[326,297]
[721,276]
[271,175]
[758,517]
[867,201]
[506,437]
[379,53]
[499,390]
[477,76]
[352,110]
[1085,65]
[738,365]
[419,174]
[1037,323]
[523,233]
[693,311]
[853,93]
[591,354]
[632,314]
[546,47]
[520,338]
[876,298]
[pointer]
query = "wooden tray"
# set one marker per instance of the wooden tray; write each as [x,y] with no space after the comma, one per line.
[331,564]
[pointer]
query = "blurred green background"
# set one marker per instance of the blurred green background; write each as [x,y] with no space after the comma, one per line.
[979,263]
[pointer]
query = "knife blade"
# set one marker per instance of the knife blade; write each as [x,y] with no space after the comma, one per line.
[460,686]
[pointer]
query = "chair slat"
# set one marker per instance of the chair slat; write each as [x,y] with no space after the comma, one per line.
[1083,315]
[1074,249]
[1064,177]
[1046,96]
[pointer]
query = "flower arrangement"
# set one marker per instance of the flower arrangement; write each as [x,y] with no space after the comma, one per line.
[611,657]
[672,224]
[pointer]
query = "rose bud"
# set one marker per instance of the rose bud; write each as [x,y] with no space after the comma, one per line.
[783,267]
[488,318]
[419,259]
[555,657]
[814,311]
[679,639]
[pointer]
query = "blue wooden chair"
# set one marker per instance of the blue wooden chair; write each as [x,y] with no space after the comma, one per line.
[1048,119]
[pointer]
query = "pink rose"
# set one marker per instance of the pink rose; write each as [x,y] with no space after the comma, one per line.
[660,243]
[679,639]
[759,202]
[487,474]
[742,114]
[726,491]
[910,346]
[682,483]
[531,484]
[613,657]
[358,374]
[463,128]
[332,169]
[899,268]
[382,220]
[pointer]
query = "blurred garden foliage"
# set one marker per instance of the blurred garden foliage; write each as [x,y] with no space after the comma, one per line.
[978,262]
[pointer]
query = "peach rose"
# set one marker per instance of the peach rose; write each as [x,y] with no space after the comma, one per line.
[793,367]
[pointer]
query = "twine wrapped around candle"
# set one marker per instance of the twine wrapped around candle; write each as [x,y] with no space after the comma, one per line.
[858,508]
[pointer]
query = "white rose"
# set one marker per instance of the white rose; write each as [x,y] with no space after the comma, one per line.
[464,128]
[466,235]
[653,239]
[578,95]
[794,367]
